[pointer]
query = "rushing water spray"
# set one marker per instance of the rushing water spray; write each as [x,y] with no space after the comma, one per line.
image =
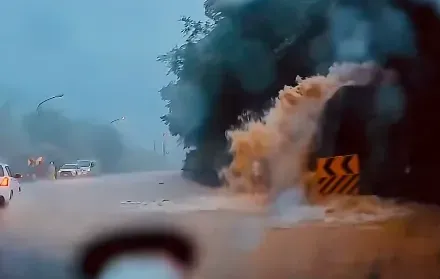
[270,154]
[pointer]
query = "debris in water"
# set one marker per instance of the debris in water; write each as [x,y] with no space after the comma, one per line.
[145,202]
[281,141]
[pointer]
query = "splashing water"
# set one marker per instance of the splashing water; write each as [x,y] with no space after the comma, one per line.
[271,154]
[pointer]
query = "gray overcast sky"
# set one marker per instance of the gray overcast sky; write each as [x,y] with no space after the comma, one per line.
[100,53]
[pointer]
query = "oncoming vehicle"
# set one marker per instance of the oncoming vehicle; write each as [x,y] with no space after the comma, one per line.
[88,167]
[9,184]
[69,170]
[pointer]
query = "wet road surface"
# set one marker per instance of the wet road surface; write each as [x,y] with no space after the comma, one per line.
[49,220]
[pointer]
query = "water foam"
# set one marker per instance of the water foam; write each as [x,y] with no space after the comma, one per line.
[289,209]
[196,204]
[340,210]
[271,154]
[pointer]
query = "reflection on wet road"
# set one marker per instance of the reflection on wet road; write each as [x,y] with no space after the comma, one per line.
[47,222]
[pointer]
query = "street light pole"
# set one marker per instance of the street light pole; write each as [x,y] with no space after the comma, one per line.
[164,149]
[48,99]
[116,120]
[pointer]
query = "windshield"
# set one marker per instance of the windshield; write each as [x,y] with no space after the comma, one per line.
[69,166]
[84,164]
[211,113]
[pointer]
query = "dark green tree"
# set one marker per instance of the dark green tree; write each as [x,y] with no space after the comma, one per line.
[235,62]
[60,139]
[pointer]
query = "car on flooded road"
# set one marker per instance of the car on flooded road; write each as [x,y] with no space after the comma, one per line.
[88,167]
[69,171]
[9,185]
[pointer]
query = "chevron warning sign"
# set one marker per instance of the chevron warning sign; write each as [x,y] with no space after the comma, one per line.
[338,175]
[338,165]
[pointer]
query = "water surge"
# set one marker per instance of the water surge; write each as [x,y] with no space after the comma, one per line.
[270,154]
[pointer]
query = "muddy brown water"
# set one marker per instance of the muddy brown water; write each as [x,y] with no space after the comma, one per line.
[404,248]
[47,219]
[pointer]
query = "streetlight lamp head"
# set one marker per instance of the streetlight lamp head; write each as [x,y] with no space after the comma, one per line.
[60,96]
[123,118]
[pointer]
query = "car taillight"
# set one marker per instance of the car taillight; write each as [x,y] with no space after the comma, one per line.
[4,182]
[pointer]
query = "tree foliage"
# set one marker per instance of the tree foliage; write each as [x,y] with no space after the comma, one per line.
[234,62]
[66,140]
[58,138]
[256,47]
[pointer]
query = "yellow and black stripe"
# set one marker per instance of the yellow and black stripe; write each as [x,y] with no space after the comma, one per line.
[338,184]
[338,175]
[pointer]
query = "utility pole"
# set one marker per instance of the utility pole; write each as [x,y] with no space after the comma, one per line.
[164,151]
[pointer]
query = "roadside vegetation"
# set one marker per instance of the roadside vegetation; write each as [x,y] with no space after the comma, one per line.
[237,61]
[58,138]
[232,66]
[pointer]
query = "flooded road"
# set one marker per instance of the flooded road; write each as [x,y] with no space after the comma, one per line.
[43,227]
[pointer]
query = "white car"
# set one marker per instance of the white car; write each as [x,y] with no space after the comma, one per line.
[9,185]
[69,170]
[88,167]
